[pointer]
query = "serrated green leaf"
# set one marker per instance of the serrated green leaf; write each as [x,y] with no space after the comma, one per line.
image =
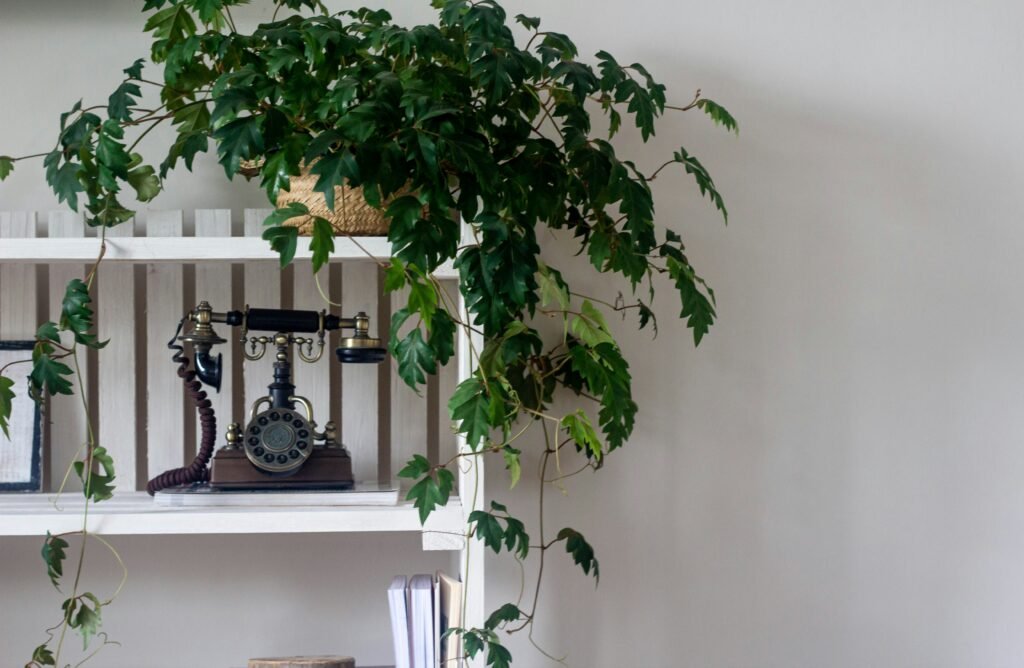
[134,71]
[53,556]
[698,309]
[321,243]
[719,114]
[97,483]
[50,376]
[172,23]
[441,338]
[590,327]
[43,656]
[703,179]
[581,551]
[394,276]
[487,529]
[578,426]
[88,620]
[76,316]
[433,490]
[284,240]
[415,358]
[470,408]
[416,467]
[507,613]
[144,182]
[124,96]
[6,404]
[6,166]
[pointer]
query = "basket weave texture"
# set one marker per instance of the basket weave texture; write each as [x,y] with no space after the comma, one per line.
[351,216]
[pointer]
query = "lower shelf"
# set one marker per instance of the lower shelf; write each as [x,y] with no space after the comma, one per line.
[135,513]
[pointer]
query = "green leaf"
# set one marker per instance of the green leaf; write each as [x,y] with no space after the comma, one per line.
[698,309]
[719,114]
[63,178]
[415,358]
[498,656]
[487,529]
[97,484]
[578,426]
[49,375]
[553,289]
[173,23]
[394,276]
[134,71]
[509,612]
[511,457]
[76,316]
[126,95]
[416,467]
[88,620]
[286,213]
[53,556]
[6,166]
[284,240]
[441,338]
[43,656]
[145,182]
[6,404]
[590,326]
[581,551]
[240,139]
[322,242]
[431,491]
[703,179]
[470,408]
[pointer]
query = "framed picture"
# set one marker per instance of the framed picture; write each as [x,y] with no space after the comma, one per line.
[21,455]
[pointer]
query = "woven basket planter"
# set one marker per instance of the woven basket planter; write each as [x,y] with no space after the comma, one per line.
[351,216]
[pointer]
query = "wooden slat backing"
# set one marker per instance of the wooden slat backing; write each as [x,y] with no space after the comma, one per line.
[213,284]
[68,428]
[118,363]
[164,308]
[382,421]
[262,289]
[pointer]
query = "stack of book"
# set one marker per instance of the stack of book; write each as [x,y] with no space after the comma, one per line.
[423,607]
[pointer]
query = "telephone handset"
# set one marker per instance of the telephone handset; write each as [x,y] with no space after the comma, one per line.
[280,446]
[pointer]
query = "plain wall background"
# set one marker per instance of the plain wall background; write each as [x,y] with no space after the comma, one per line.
[832,479]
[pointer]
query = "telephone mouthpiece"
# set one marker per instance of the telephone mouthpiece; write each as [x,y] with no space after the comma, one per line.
[361,350]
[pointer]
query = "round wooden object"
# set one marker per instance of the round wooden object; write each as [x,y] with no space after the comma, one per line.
[304,662]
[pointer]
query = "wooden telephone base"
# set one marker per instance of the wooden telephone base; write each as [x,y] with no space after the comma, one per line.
[326,468]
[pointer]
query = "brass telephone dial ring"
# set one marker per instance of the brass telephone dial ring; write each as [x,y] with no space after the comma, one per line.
[278,440]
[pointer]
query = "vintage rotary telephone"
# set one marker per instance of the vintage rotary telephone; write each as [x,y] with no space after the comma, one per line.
[280,446]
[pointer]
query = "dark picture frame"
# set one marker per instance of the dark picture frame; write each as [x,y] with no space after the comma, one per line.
[21,456]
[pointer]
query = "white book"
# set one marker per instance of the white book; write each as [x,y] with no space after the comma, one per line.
[421,592]
[204,496]
[436,626]
[399,621]
[451,617]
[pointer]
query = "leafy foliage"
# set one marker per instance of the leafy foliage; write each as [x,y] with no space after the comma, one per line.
[97,485]
[581,551]
[486,526]
[53,556]
[433,488]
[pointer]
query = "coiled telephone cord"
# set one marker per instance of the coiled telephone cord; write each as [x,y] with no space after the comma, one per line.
[198,470]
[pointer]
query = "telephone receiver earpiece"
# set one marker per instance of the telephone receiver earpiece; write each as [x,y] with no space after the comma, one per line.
[360,350]
[208,367]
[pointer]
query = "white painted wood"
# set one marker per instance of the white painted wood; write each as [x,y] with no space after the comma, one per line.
[359,290]
[164,308]
[408,409]
[117,362]
[135,513]
[189,250]
[262,290]
[68,425]
[213,283]
[313,380]
[18,302]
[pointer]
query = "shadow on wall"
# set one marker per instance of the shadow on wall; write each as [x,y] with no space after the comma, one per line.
[814,458]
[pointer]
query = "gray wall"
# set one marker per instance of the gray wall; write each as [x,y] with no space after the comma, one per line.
[832,479]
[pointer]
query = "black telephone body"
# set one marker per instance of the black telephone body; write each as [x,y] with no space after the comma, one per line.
[280,446]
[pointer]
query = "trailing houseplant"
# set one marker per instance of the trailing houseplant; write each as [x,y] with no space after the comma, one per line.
[435,123]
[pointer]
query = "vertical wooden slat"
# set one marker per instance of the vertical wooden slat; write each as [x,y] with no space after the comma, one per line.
[359,289]
[213,284]
[117,362]
[262,289]
[164,308]
[68,428]
[335,368]
[19,315]
[313,380]
[408,409]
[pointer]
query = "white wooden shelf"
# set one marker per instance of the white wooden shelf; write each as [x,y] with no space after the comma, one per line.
[129,513]
[152,250]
